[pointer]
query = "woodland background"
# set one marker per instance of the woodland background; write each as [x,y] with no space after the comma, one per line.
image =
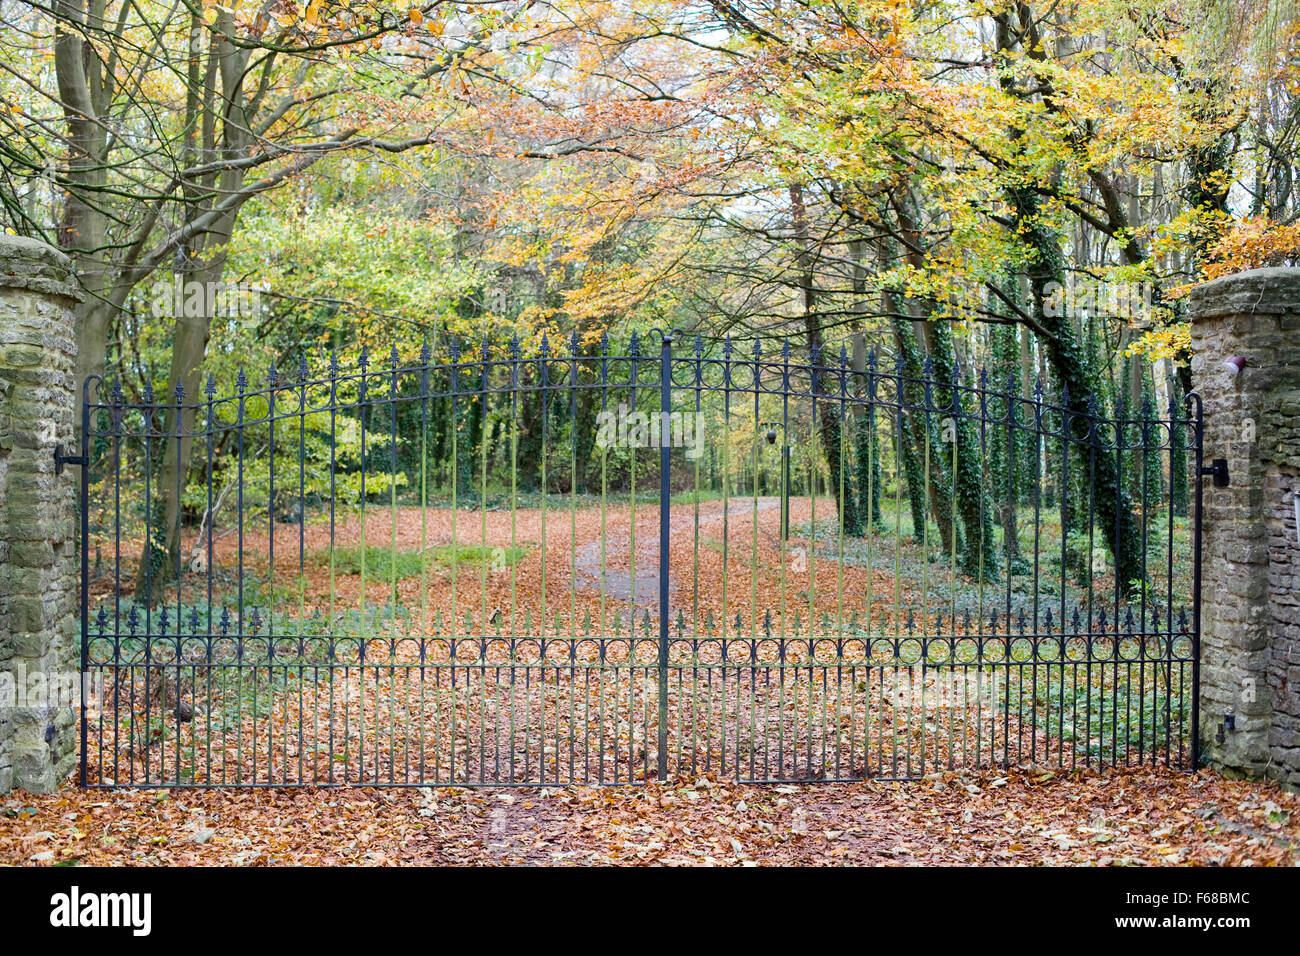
[1027,189]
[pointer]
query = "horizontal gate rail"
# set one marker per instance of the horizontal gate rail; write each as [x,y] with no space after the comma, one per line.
[513,566]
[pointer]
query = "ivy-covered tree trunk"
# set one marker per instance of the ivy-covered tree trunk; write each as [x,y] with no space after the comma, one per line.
[867,452]
[1046,270]
[1006,442]
[911,462]
[958,478]
[979,554]
[923,433]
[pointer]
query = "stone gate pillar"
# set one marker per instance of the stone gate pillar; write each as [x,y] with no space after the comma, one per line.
[39,626]
[1246,368]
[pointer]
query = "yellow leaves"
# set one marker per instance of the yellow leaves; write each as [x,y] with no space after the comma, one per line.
[415,15]
[1167,342]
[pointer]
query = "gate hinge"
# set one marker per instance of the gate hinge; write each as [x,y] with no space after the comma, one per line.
[1218,469]
[60,459]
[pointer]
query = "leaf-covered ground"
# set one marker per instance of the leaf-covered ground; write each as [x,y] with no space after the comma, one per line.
[1021,817]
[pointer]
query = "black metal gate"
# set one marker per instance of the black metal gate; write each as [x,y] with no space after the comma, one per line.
[579,567]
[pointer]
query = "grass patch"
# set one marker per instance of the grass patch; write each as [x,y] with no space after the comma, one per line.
[1107,719]
[383,563]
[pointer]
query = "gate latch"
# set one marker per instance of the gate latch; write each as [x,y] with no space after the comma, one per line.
[60,459]
[1218,470]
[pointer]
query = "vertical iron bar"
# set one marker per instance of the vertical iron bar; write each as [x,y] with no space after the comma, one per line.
[83,446]
[1198,458]
[665,501]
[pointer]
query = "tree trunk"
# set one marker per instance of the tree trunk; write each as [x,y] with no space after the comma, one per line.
[924,437]
[979,553]
[829,409]
[202,262]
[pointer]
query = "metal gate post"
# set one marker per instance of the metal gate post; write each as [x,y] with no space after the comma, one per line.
[1197,415]
[785,487]
[665,496]
[83,446]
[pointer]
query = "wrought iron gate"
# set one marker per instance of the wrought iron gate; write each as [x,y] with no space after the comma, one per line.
[586,567]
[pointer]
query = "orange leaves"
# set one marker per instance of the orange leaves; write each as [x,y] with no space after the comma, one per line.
[415,20]
[1021,816]
[1251,243]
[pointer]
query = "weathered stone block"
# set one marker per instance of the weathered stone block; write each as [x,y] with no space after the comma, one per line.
[38,572]
[1251,615]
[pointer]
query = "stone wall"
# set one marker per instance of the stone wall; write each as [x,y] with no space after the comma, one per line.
[38,545]
[1250,609]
